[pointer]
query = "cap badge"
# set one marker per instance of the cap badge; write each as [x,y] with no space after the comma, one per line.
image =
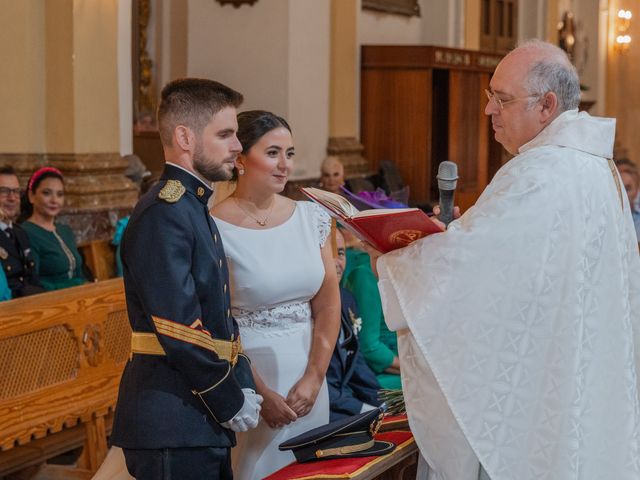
[375,425]
[172,191]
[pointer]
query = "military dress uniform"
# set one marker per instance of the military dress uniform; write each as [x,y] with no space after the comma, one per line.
[186,371]
[351,381]
[17,262]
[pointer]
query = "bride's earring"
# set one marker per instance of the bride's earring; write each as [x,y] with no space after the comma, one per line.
[241,171]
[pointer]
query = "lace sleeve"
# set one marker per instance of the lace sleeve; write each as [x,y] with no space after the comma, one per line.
[322,222]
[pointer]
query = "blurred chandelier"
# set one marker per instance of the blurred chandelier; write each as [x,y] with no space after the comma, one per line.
[622,24]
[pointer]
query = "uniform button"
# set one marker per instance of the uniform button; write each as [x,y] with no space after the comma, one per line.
[225,288]
[220,263]
[21,279]
[8,268]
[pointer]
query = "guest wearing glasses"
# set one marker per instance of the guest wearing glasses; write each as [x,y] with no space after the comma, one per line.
[54,250]
[16,260]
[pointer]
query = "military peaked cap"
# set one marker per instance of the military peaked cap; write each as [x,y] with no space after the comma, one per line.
[347,437]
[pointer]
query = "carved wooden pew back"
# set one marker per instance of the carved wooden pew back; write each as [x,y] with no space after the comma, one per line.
[61,357]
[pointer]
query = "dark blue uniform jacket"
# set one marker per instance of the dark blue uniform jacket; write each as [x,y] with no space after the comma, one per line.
[351,381]
[18,264]
[176,285]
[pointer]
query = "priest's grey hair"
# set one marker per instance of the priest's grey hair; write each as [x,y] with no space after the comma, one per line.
[552,72]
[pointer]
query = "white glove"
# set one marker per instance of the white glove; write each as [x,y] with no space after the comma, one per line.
[248,415]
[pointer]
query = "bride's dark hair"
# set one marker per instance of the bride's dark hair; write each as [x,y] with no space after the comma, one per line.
[253,124]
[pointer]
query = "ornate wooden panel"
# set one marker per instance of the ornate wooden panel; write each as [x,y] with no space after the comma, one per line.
[61,357]
[498,25]
[468,139]
[384,123]
[422,105]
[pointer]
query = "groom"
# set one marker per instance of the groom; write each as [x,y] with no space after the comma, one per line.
[187,387]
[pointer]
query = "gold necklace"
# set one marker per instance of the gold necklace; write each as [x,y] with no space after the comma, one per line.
[262,223]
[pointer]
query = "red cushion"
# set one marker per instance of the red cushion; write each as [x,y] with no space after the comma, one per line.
[395,422]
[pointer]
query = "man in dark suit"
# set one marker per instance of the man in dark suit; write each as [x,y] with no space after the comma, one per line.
[353,387]
[188,386]
[15,252]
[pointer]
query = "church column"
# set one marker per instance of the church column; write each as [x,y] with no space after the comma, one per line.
[344,75]
[70,113]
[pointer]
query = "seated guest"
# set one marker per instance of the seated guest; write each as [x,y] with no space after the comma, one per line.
[631,180]
[353,387]
[15,252]
[332,174]
[5,291]
[378,344]
[53,246]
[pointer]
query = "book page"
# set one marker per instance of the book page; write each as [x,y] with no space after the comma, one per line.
[382,211]
[337,203]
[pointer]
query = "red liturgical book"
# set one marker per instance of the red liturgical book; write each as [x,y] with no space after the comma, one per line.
[385,229]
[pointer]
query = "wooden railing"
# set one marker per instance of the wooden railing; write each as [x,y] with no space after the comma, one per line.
[61,357]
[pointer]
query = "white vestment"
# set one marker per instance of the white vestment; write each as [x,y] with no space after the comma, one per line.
[523,347]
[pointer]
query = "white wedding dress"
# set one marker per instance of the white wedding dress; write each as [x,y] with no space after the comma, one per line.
[273,274]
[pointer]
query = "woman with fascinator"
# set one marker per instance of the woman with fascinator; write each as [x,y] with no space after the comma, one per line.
[284,293]
[53,246]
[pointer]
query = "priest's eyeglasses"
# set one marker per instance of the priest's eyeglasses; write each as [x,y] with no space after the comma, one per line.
[502,103]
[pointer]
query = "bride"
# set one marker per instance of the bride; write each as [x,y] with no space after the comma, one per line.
[284,293]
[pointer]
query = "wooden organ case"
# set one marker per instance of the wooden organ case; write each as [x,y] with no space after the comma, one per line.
[421,105]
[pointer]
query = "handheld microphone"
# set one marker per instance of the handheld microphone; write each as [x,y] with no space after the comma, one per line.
[447,179]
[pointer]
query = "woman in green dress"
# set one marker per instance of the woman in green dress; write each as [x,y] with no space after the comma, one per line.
[53,246]
[378,344]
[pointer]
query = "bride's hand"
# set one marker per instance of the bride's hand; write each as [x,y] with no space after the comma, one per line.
[275,410]
[303,395]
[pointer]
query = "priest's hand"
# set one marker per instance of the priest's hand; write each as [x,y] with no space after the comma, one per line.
[436,213]
[275,410]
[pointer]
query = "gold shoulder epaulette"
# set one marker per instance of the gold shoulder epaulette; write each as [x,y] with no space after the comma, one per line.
[172,191]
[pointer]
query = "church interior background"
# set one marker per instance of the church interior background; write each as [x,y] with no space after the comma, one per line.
[366,80]
[77,73]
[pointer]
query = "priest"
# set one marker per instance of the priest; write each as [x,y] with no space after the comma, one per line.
[519,327]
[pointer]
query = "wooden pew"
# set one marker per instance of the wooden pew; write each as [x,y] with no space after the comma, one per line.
[100,257]
[61,358]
